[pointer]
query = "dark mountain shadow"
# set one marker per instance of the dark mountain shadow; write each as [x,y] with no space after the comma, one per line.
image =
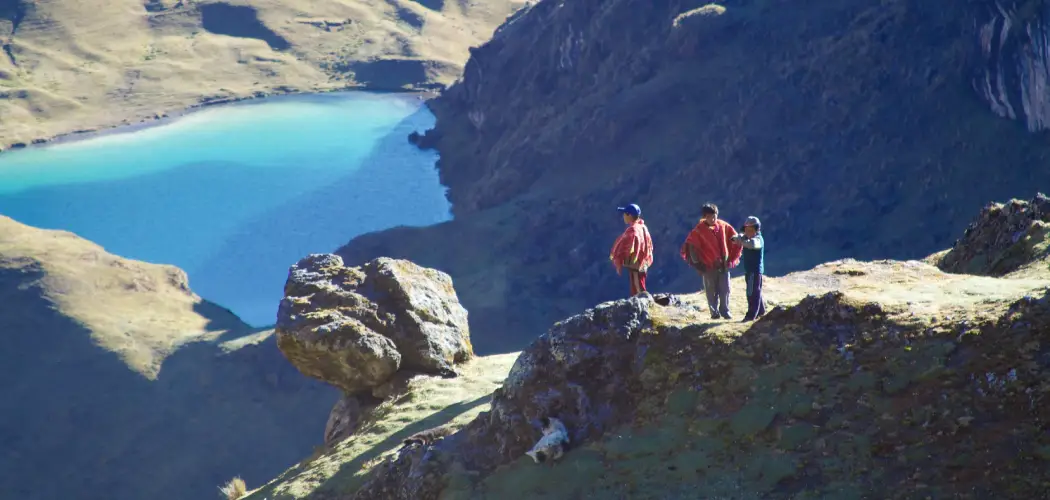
[393,73]
[72,410]
[221,318]
[435,5]
[239,21]
[438,418]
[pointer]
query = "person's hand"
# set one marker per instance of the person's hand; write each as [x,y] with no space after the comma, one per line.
[619,271]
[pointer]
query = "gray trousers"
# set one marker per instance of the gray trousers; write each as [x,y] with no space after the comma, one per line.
[716,284]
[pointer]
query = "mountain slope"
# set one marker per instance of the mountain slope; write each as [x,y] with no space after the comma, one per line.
[852,129]
[82,64]
[878,378]
[141,312]
[121,382]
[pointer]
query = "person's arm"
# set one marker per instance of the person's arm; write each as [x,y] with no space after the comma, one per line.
[752,243]
[734,246]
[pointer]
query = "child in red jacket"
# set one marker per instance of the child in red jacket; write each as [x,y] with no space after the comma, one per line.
[633,249]
[711,250]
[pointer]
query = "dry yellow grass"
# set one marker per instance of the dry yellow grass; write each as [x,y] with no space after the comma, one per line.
[142,312]
[234,489]
[86,64]
[428,402]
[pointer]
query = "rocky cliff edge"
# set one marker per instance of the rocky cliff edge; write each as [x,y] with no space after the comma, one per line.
[866,379]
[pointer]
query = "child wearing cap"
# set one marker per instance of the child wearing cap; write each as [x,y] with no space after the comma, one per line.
[753,257]
[633,249]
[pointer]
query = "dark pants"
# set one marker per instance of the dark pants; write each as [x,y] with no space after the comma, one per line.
[716,285]
[755,305]
[637,281]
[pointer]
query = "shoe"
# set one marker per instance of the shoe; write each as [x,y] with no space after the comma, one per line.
[726,315]
[746,319]
[715,316]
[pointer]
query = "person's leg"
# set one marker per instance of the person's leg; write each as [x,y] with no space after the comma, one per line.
[723,294]
[711,290]
[760,302]
[641,282]
[752,309]
[634,281]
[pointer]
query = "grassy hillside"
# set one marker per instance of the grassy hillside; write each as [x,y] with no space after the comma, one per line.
[426,403]
[140,312]
[123,383]
[82,64]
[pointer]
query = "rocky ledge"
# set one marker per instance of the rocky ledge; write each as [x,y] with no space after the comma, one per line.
[880,379]
[1004,238]
[367,330]
[866,379]
[842,389]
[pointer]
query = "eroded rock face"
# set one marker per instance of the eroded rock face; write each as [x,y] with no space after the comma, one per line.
[1015,70]
[344,419]
[1003,238]
[356,327]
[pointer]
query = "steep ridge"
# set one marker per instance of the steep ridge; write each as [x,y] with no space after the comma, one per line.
[64,69]
[1006,239]
[878,379]
[851,130]
[119,382]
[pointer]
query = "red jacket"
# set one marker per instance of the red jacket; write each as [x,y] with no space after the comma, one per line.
[634,248]
[712,243]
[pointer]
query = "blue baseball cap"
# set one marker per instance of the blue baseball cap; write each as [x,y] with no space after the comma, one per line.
[632,210]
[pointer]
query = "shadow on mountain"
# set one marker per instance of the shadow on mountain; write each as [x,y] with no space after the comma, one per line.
[239,21]
[72,410]
[393,74]
[438,418]
[435,5]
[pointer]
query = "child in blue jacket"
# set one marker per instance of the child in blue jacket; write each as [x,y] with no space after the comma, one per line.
[752,258]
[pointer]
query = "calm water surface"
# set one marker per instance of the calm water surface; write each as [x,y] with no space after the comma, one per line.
[234,195]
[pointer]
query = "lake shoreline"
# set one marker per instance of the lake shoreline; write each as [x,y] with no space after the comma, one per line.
[205,103]
[236,194]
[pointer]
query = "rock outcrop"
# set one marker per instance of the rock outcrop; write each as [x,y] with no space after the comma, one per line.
[803,115]
[865,379]
[355,328]
[344,419]
[862,384]
[1003,238]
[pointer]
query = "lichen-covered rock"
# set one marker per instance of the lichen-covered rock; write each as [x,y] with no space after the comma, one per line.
[1003,238]
[355,327]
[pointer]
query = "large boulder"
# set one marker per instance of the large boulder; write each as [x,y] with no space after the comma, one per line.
[356,327]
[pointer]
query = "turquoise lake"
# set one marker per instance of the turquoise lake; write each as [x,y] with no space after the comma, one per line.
[236,194]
